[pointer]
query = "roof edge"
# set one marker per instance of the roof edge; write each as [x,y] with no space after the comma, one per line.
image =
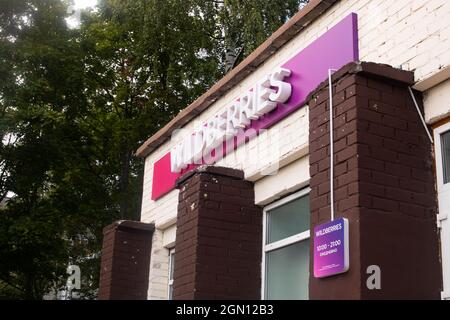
[280,37]
[131,225]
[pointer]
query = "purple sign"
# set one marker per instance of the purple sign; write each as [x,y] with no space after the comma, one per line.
[331,252]
[332,50]
[309,67]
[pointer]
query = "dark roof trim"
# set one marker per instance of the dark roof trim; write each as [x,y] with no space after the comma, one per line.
[285,33]
[211,170]
[129,224]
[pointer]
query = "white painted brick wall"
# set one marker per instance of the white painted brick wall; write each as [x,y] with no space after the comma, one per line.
[159,268]
[411,34]
[439,98]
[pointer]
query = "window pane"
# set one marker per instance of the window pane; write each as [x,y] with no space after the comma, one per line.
[170,292]
[171,264]
[445,141]
[171,269]
[287,220]
[287,272]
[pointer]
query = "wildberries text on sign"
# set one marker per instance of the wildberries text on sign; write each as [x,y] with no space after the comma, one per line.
[265,103]
[256,102]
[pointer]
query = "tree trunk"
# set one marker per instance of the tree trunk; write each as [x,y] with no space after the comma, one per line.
[29,289]
[124,180]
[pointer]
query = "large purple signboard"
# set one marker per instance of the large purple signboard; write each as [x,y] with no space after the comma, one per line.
[309,67]
[331,251]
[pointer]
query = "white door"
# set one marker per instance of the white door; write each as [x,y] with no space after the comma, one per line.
[442,148]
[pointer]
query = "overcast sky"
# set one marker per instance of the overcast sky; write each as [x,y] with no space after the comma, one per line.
[74,20]
[81,4]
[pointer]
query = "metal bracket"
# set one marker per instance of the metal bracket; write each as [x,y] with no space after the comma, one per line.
[439,218]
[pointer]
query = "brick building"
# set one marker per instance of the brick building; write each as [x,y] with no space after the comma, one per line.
[236,183]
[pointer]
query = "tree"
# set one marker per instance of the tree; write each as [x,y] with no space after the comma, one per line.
[238,27]
[142,61]
[38,100]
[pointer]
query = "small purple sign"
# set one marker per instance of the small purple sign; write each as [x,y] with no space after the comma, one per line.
[331,251]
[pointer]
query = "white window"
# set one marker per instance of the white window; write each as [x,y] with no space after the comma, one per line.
[171,268]
[286,248]
[445,149]
[442,149]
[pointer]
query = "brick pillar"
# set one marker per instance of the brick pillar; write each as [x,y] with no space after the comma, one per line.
[383,184]
[125,261]
[219,236]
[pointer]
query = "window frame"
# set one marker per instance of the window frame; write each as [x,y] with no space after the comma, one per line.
[266,248]
[170,281]
[438,132]
[443,189]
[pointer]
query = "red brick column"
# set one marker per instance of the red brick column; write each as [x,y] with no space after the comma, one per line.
[125,261]
[219,236]
[383,184]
